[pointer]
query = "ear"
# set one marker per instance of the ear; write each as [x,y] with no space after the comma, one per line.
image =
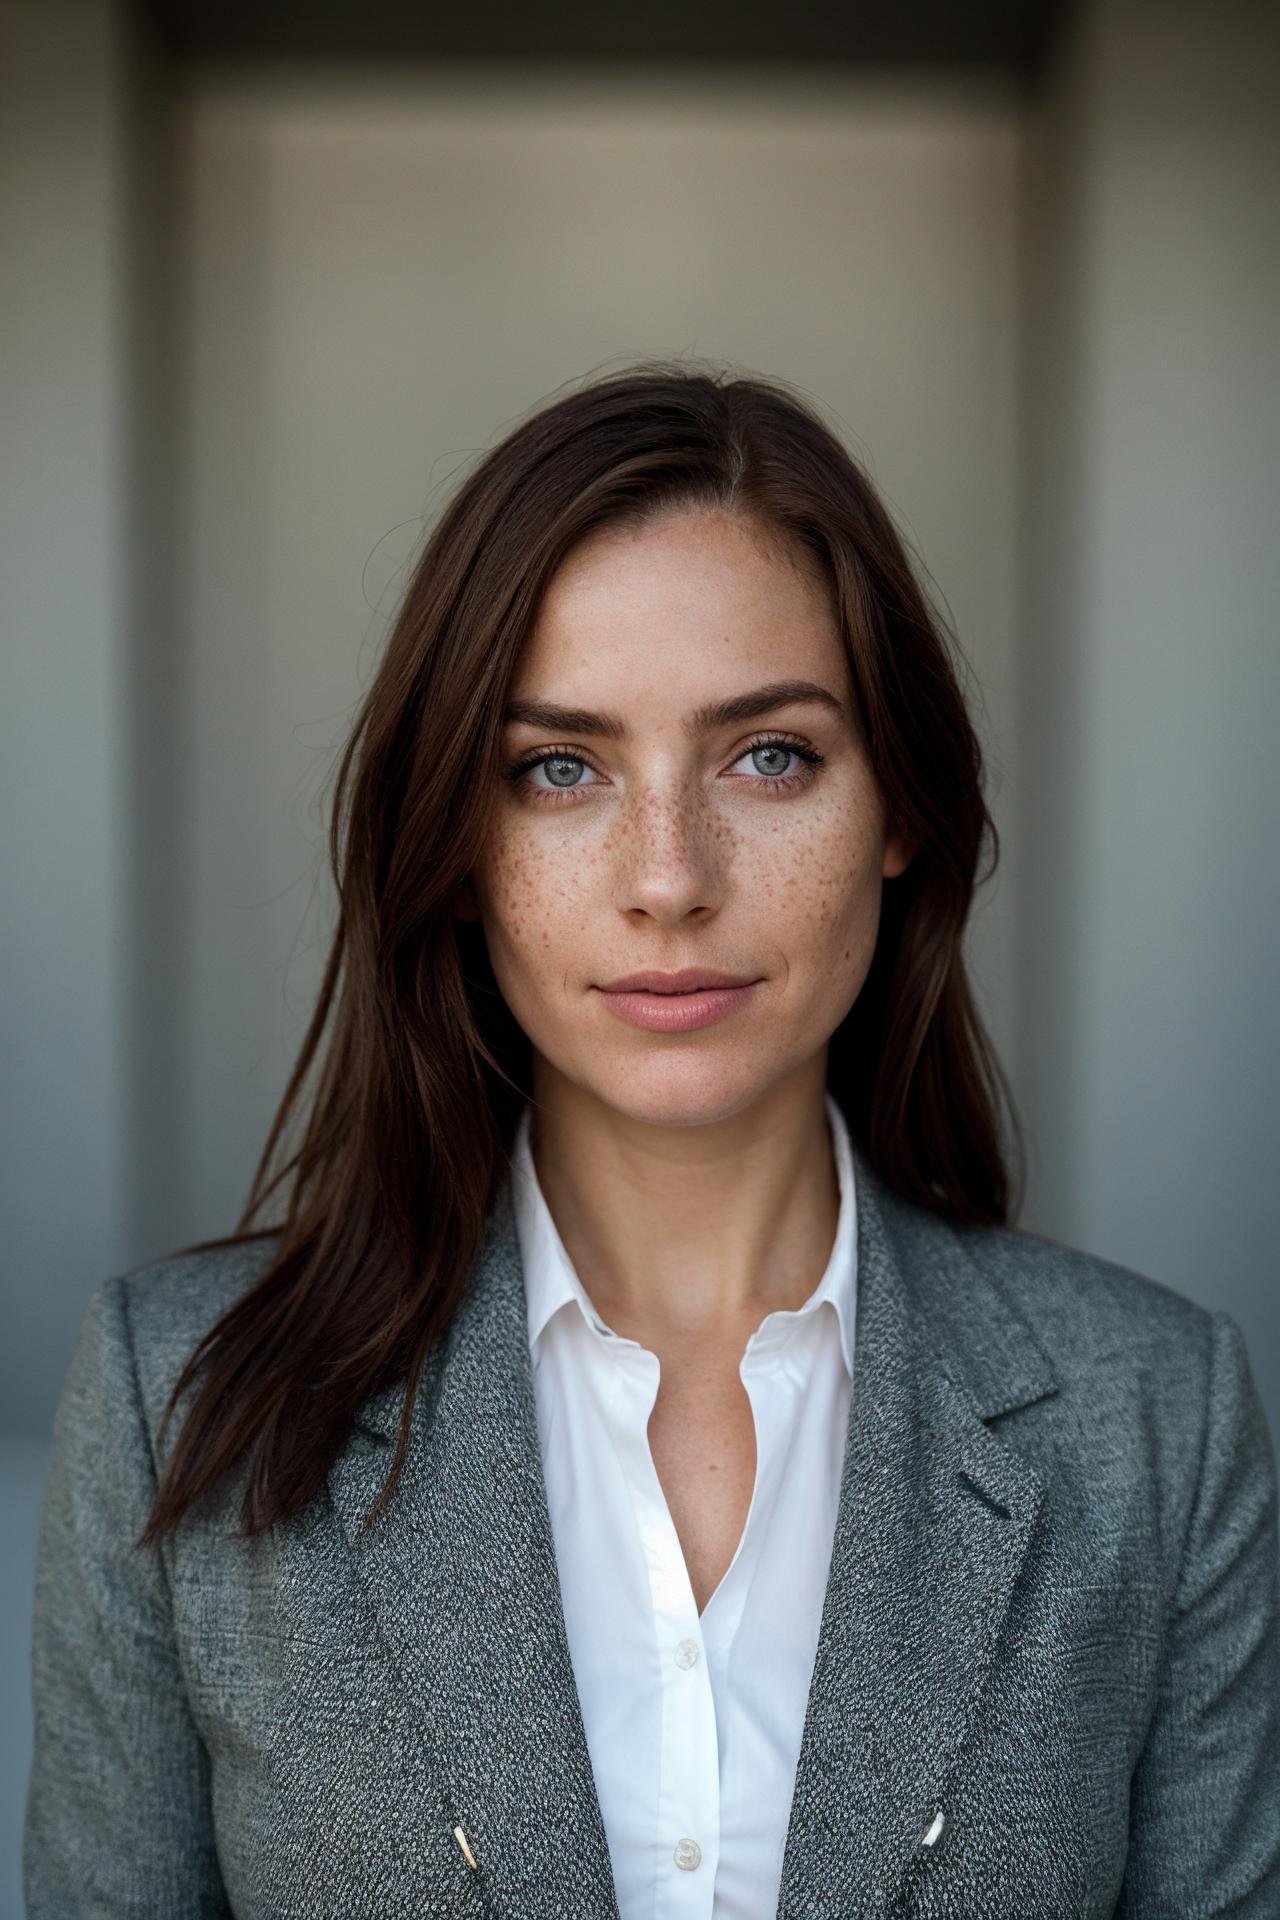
[466,904]
[898,855]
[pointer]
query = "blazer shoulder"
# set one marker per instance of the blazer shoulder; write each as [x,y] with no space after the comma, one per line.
[1093,1314]
[167,1305]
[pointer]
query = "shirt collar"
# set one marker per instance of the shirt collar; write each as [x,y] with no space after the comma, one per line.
[551,1283]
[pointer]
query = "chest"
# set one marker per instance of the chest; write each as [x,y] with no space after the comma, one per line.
[702,1439]
[690,1447]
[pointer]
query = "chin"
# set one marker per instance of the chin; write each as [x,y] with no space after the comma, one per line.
[693,1094]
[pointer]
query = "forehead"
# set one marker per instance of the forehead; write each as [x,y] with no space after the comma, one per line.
[693,597]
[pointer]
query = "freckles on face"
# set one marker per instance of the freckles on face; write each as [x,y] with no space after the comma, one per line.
[801,876]
[821,884]
[640,829]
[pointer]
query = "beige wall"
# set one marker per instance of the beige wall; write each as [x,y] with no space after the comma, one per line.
[382,278]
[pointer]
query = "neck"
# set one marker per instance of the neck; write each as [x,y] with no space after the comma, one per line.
[678,1231]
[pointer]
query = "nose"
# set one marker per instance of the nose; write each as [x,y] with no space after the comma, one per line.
[669,859]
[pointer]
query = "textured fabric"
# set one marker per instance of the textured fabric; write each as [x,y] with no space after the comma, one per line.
[693,1723]
[1052,1614]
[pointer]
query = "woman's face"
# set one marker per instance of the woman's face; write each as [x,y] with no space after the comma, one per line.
[659,835]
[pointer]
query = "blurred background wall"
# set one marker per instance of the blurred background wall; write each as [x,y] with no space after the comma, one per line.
[266,298]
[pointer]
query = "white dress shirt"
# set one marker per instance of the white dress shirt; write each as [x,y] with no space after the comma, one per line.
[693,1723]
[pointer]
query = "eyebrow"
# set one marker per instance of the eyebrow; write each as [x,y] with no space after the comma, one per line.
[550,718]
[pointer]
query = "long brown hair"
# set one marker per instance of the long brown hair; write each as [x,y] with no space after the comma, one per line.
[406,1134]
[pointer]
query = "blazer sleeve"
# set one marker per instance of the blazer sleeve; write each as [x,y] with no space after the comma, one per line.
[118,1819]
[1205,1795]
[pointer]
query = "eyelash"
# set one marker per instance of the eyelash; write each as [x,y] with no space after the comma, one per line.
[784,782]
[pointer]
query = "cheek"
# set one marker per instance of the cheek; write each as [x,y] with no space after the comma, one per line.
[819,880]
[810,881]
[529,889]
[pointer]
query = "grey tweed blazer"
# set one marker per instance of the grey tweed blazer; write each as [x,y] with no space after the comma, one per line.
[1052,1615]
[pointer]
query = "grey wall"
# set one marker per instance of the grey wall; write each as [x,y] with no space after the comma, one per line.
[23,1469]
[1148,1035]
[64,822]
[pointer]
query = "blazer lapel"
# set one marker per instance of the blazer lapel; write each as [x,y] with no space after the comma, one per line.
[462,1575]
[935,1518]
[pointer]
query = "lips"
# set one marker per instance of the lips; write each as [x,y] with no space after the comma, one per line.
[686,1008]
[687,980]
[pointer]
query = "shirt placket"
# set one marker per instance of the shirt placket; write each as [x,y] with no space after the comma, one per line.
[687,1797]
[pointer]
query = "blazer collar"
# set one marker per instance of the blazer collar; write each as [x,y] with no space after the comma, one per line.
[935,1518]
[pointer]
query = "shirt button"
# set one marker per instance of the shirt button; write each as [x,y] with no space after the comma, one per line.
[687,1854]
[687,1655]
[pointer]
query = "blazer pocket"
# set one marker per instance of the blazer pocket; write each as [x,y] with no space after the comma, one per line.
[324,1799]
[229,1666]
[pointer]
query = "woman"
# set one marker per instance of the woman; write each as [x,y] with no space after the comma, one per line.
[645,1473]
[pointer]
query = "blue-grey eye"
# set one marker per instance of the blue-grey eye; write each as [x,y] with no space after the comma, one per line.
[784,753]
[556,763]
